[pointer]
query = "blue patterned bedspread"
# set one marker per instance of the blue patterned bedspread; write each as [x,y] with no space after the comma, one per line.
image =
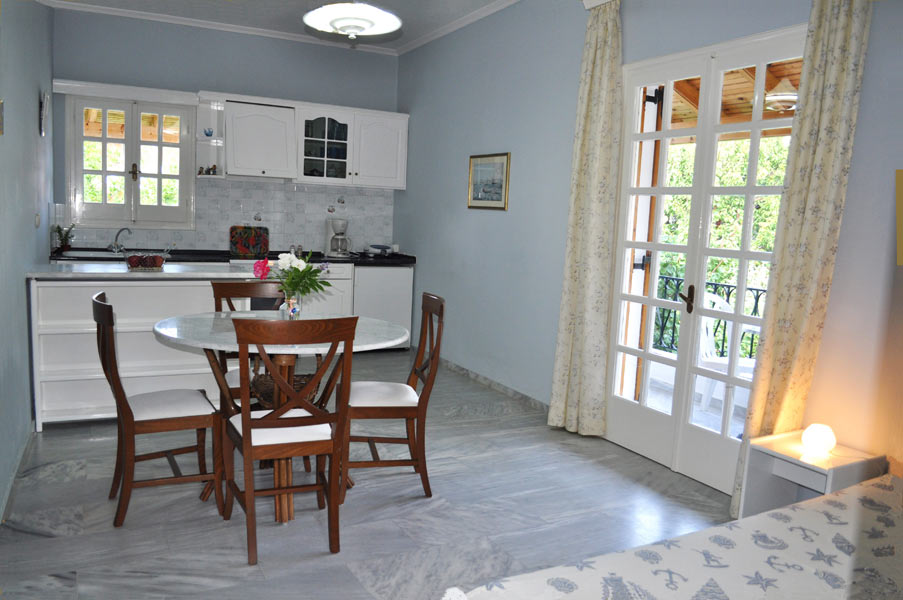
[848,544]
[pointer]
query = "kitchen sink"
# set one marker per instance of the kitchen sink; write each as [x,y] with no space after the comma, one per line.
[92,254]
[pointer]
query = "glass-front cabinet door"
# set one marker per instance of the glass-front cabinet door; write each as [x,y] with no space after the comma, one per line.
[325,138]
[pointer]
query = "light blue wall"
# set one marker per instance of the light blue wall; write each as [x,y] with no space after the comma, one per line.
[106,49]
[655,28]
[25,189]
[509,83]
[858,377]
[93,47]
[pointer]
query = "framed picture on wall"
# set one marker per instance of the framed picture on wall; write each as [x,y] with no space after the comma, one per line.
[487,186]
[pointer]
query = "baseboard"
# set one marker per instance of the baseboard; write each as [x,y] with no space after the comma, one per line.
[6,492]
[495,385]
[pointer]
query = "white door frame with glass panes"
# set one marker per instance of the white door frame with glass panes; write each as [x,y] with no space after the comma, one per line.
[705,148]
[130,163]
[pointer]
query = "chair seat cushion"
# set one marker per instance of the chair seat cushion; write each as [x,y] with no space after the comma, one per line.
[284,435]
[168,404]
[381,393]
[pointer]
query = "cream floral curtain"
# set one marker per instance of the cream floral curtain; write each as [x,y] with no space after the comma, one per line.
[811,210]
[581,354]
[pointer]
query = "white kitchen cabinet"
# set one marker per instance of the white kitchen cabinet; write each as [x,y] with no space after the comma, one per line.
[380,150]
[385,293]
[324,139]
[341,146]
[261,140]
[69,384]
[338,299]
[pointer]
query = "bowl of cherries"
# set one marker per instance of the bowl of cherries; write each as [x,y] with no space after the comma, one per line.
[143,260]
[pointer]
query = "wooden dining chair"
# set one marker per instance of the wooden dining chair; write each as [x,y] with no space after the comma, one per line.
[225,294]
[389,400]
[154,412]
[298,426]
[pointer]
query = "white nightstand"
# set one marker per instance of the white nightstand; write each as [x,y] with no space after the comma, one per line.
[776,474]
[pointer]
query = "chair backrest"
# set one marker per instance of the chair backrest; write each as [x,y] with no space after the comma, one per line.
[708,347]
[426,361]
[106,351]
[254,335]
[233,290]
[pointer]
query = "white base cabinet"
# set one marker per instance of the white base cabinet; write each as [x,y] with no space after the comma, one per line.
[69,384]
[338,299]
[385,293]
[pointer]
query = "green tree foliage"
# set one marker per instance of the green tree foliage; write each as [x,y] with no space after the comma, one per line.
[726,226]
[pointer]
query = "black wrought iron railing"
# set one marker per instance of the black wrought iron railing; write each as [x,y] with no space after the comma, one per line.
[667,321]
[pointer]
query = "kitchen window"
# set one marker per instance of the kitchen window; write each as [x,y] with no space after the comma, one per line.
[130,163]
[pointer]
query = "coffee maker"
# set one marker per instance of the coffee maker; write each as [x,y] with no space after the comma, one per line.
[338,245]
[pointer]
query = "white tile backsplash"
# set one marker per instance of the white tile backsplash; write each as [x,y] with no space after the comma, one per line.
[294,213]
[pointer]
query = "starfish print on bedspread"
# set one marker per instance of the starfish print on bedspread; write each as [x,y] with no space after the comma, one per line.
[582,564]
[761,581]
[830,559]
[668,544]
[498,583]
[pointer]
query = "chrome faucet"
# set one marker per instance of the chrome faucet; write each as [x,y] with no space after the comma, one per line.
[116,246]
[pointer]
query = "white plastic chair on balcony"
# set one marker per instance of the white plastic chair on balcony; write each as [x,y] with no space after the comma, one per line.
[708,350]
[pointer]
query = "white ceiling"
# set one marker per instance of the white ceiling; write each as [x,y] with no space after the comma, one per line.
[422,20]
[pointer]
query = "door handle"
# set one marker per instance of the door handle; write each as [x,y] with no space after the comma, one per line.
[689,298]
[134,172]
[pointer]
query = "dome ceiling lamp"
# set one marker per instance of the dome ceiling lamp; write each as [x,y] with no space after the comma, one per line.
[352,19]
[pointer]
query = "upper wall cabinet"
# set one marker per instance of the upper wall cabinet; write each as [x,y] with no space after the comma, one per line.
[380,150]
[324,136]
[260,140]
[352,147]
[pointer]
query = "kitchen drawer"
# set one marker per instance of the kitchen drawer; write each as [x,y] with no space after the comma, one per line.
[800,475]
[338,271]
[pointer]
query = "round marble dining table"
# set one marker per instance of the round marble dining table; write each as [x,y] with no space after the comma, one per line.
[214,331]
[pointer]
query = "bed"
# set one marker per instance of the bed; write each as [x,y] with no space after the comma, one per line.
[847,544]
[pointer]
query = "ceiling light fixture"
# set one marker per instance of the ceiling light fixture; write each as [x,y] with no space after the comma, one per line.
[782,97]
[352,19]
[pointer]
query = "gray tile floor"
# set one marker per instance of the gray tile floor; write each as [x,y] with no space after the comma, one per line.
[509,495]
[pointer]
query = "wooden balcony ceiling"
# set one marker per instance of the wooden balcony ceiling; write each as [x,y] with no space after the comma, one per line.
[737,94]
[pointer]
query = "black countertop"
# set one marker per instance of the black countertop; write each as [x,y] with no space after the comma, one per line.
[189,256]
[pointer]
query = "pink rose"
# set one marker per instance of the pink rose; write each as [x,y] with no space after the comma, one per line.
[261,269]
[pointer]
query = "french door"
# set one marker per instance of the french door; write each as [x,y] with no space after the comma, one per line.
[705,149]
